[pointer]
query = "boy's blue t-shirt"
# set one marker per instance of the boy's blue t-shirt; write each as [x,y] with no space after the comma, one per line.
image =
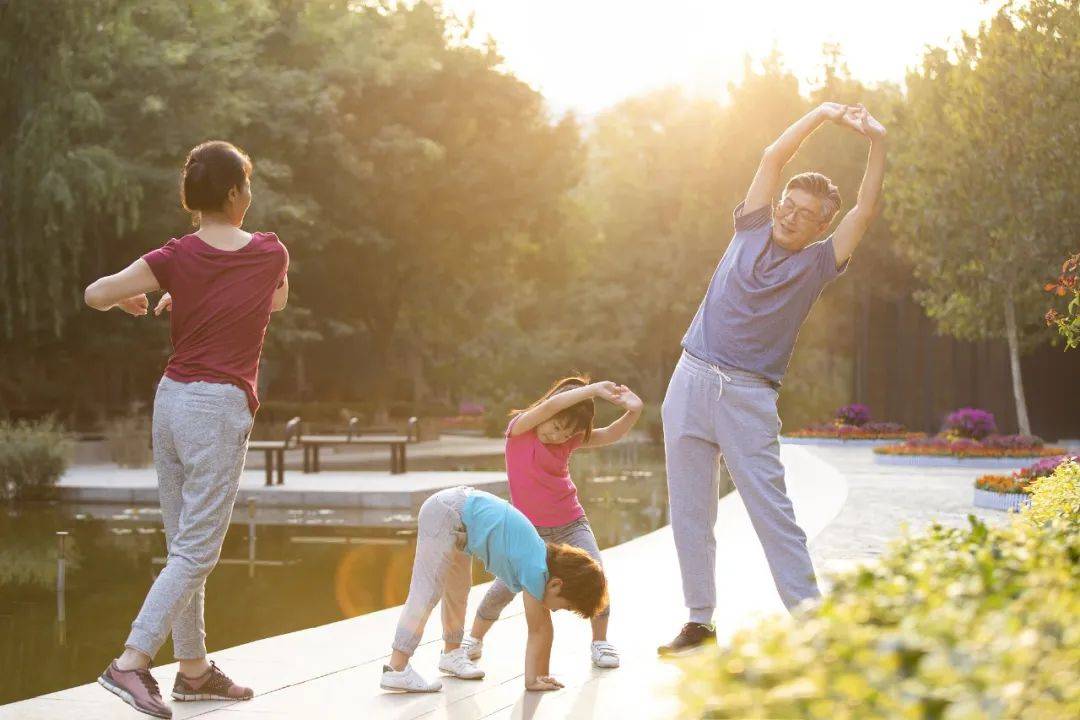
[506,542]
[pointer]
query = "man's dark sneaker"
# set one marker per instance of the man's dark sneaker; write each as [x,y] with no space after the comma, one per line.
[211,685]
[137,688]
[691,637]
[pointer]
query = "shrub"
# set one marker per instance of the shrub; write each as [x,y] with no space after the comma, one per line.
[128,440]
[33,456]
[952,624]
[970,423]
[855,414]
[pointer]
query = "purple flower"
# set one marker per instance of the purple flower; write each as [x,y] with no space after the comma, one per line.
[970,423]
[1042,468]
[855,414]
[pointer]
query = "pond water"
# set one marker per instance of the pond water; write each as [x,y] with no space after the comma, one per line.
[311,567]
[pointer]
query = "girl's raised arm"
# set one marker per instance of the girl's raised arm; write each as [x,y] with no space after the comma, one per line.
[618,429]
[555,404]
[126,289]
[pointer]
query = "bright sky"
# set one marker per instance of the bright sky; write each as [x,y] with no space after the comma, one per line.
[586,55]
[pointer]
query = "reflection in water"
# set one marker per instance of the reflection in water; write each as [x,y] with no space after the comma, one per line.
[281,570]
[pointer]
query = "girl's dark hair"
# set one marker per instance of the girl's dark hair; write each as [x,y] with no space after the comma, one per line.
[584,585]
[579,415]
[211,170]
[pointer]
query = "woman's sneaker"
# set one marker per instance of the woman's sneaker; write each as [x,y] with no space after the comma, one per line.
[604,655]
[137,688]
[473,648]
[458,664]
[211,685]
[407,680]
[692,636]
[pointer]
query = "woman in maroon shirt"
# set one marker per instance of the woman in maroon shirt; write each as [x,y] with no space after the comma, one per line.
[221,285]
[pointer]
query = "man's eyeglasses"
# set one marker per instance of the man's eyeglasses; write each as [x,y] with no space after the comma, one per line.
[803,215]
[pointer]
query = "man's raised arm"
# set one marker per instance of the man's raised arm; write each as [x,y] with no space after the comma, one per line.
[767,179]
[852,228]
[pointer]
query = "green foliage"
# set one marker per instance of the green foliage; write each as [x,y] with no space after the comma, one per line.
[1067,286]
[33,456]
[954,624]
[981,193]
[1057,495]
[128,441]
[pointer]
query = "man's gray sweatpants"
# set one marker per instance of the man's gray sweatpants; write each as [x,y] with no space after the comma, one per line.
[708,413]
[200,434]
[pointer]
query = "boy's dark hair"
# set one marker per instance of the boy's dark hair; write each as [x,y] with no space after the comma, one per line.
[819,186]
[579,415]
[584,585]
[211,170]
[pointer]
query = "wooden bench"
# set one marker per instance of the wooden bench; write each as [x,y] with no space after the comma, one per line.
[275,449]
[397,443]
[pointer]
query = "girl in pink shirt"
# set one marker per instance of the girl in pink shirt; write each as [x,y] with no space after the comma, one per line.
[539,442]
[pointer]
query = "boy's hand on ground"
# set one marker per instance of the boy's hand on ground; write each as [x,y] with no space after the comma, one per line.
[164,304]
[544,682]
[136,305]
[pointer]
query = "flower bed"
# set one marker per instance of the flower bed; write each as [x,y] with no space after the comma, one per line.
[972,433]
[852,422]
[993,446]
[1010,492]
[977,622]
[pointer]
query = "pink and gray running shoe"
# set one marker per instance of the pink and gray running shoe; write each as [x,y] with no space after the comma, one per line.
[211,685]
[137,688]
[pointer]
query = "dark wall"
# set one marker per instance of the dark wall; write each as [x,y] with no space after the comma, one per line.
[907,373]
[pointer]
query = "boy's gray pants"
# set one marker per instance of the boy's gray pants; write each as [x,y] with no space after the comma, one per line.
[708,413]
[200,434]
[442,570]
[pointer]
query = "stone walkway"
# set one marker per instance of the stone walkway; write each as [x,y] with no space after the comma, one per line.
[849,507]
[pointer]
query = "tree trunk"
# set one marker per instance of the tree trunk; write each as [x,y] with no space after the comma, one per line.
[1013,336]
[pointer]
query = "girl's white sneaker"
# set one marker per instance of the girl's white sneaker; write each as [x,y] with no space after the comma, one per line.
[473,648]
[604,655]
[458,664]
[407,680]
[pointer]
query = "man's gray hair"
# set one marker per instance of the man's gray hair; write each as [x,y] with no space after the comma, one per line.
[819,186]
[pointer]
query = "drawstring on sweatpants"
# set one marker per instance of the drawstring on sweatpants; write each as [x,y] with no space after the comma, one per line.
[722,378]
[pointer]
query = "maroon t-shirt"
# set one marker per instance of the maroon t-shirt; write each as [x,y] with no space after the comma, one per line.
[221,307]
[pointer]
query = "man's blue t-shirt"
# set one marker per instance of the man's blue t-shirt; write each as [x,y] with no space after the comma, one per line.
[758,298]
[506,542]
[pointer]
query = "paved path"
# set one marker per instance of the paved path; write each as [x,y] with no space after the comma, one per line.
[849,507]
[884,499]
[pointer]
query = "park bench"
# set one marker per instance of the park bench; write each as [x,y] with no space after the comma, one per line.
[313,443]
[275,450]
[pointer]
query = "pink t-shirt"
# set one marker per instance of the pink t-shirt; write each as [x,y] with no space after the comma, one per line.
[221,307]
[539,476]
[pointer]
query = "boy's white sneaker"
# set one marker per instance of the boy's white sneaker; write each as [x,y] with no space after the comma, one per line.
[473,648]
[604,655]
[458,664]
[407,680]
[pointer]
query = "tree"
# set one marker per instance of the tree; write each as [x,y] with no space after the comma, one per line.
[984,183]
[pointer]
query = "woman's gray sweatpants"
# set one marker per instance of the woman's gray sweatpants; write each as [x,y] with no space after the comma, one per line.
[708,413]
[577,534]
[200,434]
[442,570]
